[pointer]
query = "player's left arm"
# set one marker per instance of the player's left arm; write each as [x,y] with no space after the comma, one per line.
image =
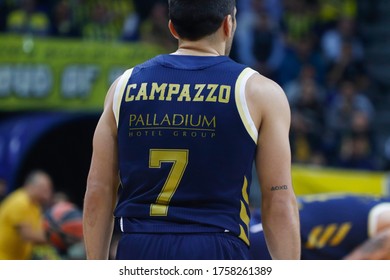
[102,184]
[377,247]
[279,208]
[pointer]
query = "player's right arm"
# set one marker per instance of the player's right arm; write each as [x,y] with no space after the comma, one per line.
[270,112]
[102,184]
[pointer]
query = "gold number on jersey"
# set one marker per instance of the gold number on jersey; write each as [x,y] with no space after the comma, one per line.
[329,235]
[179,159]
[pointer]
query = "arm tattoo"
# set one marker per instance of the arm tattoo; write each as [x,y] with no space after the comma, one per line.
[279,188]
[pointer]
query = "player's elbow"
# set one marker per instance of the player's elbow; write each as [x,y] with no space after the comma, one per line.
[281,206]
[99,195]
[95,190]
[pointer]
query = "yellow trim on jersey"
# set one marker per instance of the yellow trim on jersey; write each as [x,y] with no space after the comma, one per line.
[119,91]
[245,190]
[244,213]
[327,235]
[341,234]
[242,105]
[243,235]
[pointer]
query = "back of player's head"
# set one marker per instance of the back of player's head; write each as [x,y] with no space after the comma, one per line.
[194,20]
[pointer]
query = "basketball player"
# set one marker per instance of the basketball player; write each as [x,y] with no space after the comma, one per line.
[336,227]
[21,223]
[182,131]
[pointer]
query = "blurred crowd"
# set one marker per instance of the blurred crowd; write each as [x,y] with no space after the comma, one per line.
[98,20]
[312,48]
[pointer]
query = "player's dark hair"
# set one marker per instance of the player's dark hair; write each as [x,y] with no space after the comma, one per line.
[196,19]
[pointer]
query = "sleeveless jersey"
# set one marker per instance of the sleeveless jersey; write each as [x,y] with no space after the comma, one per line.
[186,144]
[331,225]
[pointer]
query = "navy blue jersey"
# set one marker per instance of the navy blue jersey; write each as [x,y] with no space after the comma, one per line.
[331,225]
[186,144]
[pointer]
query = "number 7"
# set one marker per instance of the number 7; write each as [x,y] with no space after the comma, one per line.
[179,158]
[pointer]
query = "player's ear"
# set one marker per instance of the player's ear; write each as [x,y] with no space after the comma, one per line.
[228,26]
[173,30]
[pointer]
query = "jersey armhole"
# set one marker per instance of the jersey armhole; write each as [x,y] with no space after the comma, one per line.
[242,105]
[119,91]
[374,215]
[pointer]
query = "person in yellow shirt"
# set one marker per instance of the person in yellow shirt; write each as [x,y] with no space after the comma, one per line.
[21,217]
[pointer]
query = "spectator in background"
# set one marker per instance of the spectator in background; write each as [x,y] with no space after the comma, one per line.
[348,110]
[103,20]
[356,153]
[131,25]
[357,148]
[346,66]
[99,25]
[332,41]
[21,223]
[154,29]
[143,12]
[347,102]
[259,42]
[307,124]
[297,56]
[274,8]
[63,19]
[330,11]
[28,19]
[294,88]
[299,20]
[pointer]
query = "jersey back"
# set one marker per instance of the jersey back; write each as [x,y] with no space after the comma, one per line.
[186,145]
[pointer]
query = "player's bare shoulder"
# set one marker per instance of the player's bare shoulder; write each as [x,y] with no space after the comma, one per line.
[265,97]
[111,92]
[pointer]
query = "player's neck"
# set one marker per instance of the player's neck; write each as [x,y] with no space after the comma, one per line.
[200,48]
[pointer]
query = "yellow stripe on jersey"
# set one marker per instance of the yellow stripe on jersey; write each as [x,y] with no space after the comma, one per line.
[245,190]
[244,213]
[243,235]
[313,237]
[341,234]
[328,232]
[328,235]
[242,105]
[119,91]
